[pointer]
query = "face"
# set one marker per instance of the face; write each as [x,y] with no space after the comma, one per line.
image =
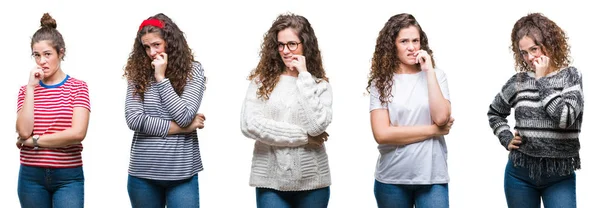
[153,44]
[288,44]
[408,43]
[529,50]
[46,57]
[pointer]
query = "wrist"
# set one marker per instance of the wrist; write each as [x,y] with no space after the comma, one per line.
[159,78]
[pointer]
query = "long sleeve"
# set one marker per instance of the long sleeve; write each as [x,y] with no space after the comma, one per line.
[138,121]
[315,103]
[498,111]
[183,109]
[255,125]
[563,106]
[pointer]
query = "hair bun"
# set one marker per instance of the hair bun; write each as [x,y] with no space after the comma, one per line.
[48,21]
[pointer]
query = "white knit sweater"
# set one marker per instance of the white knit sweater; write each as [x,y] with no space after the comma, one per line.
[296,108]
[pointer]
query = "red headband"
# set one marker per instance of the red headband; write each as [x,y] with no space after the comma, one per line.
[152,21]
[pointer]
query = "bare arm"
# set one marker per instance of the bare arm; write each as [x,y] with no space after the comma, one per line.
[439,107]
[25,114]
[385,133]
[73,135]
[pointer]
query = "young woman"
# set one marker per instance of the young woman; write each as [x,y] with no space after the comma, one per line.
[52,119]
[287,110]
[410,113]
[165,88]
[547,97]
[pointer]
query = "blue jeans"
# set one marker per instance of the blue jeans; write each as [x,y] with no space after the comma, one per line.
[523,192]
[407,196]
[270,198]
[147,193]
[50,187]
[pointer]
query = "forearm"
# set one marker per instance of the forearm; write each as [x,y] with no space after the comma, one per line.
[439,107]
[176,129]
[63,138]
[183,108]
[315,104]
[404,135]
[25,116]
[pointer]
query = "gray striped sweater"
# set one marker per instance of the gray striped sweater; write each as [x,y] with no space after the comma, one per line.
[154,154]
[548,116]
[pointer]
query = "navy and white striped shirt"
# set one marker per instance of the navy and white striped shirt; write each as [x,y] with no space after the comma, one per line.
[154,154]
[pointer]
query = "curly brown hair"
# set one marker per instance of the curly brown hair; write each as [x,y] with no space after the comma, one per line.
[385,58]
[271,65]
[545,33]
[139,70]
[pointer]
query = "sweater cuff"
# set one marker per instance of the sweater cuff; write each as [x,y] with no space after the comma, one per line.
[505,137]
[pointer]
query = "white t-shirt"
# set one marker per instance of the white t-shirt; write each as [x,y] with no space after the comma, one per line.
[418,163]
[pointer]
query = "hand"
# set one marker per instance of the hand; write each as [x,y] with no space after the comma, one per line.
[445,129]
[35,75]
[317,141]
[541,66]
[299,63]
[198,122]
[19,144]
[515,142]
[160,66]
[23,142]
[424,59]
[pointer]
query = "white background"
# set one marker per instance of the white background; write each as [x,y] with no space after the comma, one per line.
[470,41]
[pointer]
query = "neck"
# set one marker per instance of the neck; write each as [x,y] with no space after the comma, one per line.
[290,72]
[56,78]
[408,69]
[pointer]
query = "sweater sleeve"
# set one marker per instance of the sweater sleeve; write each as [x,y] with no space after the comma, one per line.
[138,121]
[183,109]
[315,103]
[566,105]
[255,125]
[498,111]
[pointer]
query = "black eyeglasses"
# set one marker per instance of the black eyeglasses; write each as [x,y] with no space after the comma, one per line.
[292,46]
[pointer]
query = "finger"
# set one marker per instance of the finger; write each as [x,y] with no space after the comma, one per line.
[164,56]
[201,115]
[516,133]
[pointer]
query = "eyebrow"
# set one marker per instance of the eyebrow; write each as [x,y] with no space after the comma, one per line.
[150,43]
[46,51]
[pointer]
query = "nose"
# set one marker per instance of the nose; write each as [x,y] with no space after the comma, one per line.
[153,52]
[411,46]
[286,50]
[43,60]
[530,57]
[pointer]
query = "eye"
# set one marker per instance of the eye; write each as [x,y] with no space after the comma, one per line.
[292,44]
[155,44]
[47,54]
[403,41]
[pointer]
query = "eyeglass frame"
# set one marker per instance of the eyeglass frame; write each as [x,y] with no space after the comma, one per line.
[281,46]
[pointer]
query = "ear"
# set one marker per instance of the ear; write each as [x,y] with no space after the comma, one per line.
[61,54]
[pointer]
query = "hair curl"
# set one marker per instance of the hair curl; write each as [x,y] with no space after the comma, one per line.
[385,58]
[545,33]
[139,70]
[271,65]
[48,32]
